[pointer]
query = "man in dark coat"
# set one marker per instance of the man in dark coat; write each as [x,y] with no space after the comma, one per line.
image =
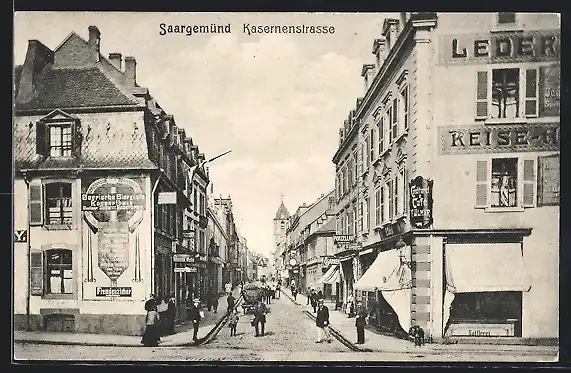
[171,315]
[194,315]
[260,318]
[322,322]
[360,322]
[231,301]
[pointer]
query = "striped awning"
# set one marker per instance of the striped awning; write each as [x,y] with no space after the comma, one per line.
[331,276]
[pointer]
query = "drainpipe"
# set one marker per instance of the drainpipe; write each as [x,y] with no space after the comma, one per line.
[28,258]
[153,230]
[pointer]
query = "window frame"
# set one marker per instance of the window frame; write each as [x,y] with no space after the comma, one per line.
[61,125]
[43,203]
[45,249]
[499,27]
[404,107]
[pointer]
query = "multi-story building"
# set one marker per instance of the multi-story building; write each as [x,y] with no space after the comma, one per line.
[461,114]
[230,272]
[100,191]
[218,241]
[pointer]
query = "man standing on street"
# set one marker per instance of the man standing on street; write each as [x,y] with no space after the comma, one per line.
[322,322]
[231,301]
[194,315]
[260,318]
[360,322]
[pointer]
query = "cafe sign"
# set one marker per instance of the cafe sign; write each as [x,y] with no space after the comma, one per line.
[420,202]
[500,47]
[498,138]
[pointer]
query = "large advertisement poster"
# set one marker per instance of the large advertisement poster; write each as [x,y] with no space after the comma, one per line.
[113,210]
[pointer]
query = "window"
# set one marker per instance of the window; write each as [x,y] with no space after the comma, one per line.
[344,181]
[60,140]
[381,135]
[506,18]
[202,204]
[389,116]
[372,144]
[382,207]
[355,165]
[378,206]
[395,122]
[510,93]
[360,161]
[504,182]
[58,204]
[396,196]
[366,153]
[350,173]
[361,217]
[355,217]
[404,189]
[367,218]
[59,272]
[404,104]
[390,200]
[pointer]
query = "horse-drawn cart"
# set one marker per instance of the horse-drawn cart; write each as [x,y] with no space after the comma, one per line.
[252,294]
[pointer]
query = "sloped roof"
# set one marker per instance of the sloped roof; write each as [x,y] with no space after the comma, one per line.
[123,146]
[282,212]
[75,87]
[327,227]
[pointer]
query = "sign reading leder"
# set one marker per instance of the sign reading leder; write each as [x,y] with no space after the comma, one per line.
[498,138]
[500,47]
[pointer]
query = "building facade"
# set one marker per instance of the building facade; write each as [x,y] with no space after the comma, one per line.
[101,191]
[462,175]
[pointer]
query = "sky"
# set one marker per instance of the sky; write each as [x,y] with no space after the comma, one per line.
[276,100]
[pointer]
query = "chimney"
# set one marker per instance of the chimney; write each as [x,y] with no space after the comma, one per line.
[130,71]
[368,73]
[95,40]
[115,59]
[380,50]
[38,57]
[390,31]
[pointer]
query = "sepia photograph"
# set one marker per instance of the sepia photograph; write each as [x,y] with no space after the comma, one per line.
[235,188]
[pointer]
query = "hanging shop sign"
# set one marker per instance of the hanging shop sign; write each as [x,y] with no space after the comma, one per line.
[549,181]
[203,222]
[20,236]
[167,198]
[106,291]
[330,261]
[183,258]
[500,47]
[498,138]
[392,229]
[185,270]
[343,239]
[420,202]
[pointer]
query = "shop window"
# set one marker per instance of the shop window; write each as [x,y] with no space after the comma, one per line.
[59,272]
[507,94]
[506,183]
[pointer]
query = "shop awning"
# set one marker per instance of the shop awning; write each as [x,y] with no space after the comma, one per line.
[485,267]
[387,272]
[331,276]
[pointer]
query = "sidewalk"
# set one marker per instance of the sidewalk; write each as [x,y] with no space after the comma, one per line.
[378,342]
[182,337]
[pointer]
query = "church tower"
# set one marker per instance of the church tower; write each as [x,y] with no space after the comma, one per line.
[280,228]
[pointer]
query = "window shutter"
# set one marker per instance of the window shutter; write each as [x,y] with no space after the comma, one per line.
[41,138]
[528,192]
[481,184]
[36,204]
[482,95]
[531,99]
[77,138]
[36,273]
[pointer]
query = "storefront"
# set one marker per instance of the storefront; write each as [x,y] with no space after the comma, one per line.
[330,282]
[484,287]
[164,270]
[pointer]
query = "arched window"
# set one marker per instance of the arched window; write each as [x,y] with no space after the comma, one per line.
[59,271]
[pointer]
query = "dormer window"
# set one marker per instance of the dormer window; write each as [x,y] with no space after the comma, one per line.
[60,140]
[506,18]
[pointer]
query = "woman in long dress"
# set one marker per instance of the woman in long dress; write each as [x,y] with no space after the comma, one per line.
[151,337]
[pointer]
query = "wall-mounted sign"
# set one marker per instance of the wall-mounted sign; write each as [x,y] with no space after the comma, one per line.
[167,198]
[549,181]
[343,238]
[185,269]
[203,222]
[113,195]
[20,236]
[498,138]
[106,291]
[420,202]
[183,258]
[500,47]
[481,330]
[549,91]
[392,229]
[330,261]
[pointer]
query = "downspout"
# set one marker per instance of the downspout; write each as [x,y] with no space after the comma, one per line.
[153,233]
[28,258]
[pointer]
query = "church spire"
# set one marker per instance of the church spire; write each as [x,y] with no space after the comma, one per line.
[282,212]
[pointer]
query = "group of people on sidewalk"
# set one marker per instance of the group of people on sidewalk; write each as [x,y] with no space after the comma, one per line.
[160,319]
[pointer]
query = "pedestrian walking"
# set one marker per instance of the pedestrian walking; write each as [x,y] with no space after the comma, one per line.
[320,294]
[268,294]
[194,315]
[278,290]
[233,322]
[228,288]
[151,336]
[349,307]
[322,322]
[231,302]
[260,318]
[215,304]
[360,322]
[170,315]
[294,293]
[309,292]
[162,307]
[313,300]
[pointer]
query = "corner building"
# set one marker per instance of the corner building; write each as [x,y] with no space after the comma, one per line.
[458,159]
